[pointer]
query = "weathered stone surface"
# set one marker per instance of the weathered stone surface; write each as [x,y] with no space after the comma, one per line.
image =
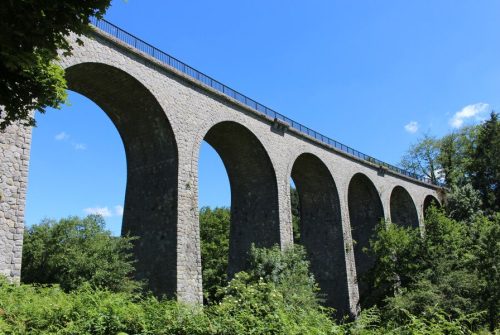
[163,116]
[321,229]
[14,159]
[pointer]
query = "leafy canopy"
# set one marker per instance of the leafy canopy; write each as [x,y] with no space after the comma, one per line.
[32,32]
[422,158]
[453,268]
[74,251]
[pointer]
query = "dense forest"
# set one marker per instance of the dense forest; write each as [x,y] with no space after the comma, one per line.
[77,277]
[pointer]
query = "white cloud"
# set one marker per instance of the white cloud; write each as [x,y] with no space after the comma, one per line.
[103,211]
[118,210]
[79,146]
[61,136]
[475,112]
[412,127]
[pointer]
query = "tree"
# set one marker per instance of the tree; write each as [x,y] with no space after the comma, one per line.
[32,32]
[214,232]
[396,250]
[485,166]
[452,269]
[72,251]
[422,158]
[463,203]
[488,262]
[455,155]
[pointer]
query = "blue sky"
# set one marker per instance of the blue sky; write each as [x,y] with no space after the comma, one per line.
[375,75]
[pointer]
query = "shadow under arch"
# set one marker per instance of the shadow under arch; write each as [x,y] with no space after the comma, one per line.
[254,191]
[365,211]
[150,210]
[403,210]
[321,229]
[430,201]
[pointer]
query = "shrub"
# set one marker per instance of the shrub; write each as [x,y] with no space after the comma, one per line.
[73,251]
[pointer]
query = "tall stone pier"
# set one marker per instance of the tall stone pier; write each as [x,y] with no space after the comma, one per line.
[15,145]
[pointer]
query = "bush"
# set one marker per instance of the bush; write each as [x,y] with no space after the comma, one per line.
[434,322]
[272,298]
[36,310]
[277,296]
[288,270]
[73,251]
[262,307]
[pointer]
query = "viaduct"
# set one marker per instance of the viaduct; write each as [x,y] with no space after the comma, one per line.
[163,110]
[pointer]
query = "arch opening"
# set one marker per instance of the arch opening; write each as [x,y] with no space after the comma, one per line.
[77,165]
[320,229]
[150,209]
[429,202]
[403,210]
[214,220]
[254,191]
[365,211]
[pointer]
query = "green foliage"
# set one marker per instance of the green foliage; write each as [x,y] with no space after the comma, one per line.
[295,204]
[31,34]
[455,156]
[434,322]
[263,307]
[260,301]
[74,251]
[49,310]
[288,270]
[396,250]
[445,247]
[463,203]
[422,158]
[488,266]
[468,156]
[452,270]
[485,165]
[214,232]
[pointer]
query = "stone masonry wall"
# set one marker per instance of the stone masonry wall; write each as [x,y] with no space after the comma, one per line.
[15,144]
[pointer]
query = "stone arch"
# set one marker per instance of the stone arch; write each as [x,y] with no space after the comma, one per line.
[428,202]
[150,210]
[403,210]
[365,211]
[254,191]
[321,228]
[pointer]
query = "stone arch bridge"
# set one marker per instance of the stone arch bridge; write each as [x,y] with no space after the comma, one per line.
[163,110]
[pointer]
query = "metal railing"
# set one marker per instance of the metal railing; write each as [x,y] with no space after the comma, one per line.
[165,58]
